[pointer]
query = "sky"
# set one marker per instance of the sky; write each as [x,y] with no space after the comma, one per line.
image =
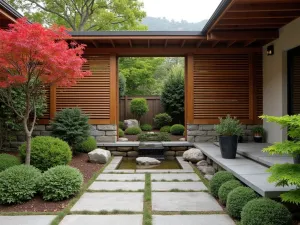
[189,10]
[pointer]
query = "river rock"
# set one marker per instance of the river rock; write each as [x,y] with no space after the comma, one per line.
[208,177]
[131,123]
[202,163]
[99,156]
[193,155]
[123,139]
[147,161]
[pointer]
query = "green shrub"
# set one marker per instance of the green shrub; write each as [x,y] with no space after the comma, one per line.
[71,125]
[154,137]
[121,133]
[18,184]
[7,161]
[165,129]
[88,145]
[47,152]
[177,129]
[60,182]
[229,126]
[226,188]
[139,107]
[237,199]
[264,211]
[122,85]
[133,131]
[122,125]
[146,127]
[218,179]
[162,119]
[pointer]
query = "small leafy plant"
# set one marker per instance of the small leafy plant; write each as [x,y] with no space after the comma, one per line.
[258,131]
[133,131]
[88,145]
[162,119]
[177,129]
[229,126]
[139,107]
[121,133]
[146,127]
[165,129]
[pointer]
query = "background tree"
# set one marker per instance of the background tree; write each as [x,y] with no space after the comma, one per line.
[31,58]
[122,85]
[139,107]
[84,15]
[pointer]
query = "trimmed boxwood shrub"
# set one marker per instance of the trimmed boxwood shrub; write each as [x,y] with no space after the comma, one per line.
[122,125]
[226,188]
[121,133]
[7,161]
[60,182]
[154,137]
[146,127]
[162,119]
[218,179]
[47,152]
[237,199]
[139,107]
[133,131]
[177,129]
[264,211]
[18,184]
[165,129]
[88,145]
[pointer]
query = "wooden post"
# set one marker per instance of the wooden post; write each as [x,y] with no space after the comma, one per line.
[252,96]
[125,106]
[189,89]
[113,90]
[52,101]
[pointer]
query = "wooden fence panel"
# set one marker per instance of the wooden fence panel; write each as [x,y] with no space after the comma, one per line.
[154,104]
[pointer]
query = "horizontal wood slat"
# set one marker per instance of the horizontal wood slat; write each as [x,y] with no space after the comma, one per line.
[296,84]
[258,73]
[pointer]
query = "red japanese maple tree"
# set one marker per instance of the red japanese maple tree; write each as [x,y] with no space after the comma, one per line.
[31,58]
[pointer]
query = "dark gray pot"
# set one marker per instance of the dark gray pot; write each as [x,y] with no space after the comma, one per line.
[297,159]
[228,146]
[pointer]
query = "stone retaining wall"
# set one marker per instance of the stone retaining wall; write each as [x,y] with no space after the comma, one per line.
[207,133]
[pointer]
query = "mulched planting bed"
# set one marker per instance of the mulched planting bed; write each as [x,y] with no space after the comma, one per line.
[37,204]
[134,137]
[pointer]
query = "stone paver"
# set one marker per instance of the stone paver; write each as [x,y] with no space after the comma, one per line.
[95,202]
[27,220]
[192,220]
[184,201]
[179,177]
[118,171]
[182,186]
[103,219]
[166,171]
[121,177]
[113,186]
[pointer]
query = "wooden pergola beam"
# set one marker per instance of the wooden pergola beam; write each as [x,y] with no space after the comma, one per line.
[242,35]
[248,27]
[193,37]
[130,43]
[261,15]
[249,42]
[166,43]
[182,43]
[112,43]
[149,43]
[230,43]
[95,44]
[282,21]
[215,44]
[199,43]
[7,15]
[264,7]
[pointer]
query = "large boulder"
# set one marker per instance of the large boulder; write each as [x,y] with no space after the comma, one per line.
[147,161]
[99,156]
[193,155]
[131,123]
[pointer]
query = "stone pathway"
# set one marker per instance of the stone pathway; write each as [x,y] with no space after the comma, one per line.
[117,197]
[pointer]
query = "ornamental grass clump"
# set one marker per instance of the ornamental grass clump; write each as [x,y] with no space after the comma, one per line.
[7,161]
[226,188]
[218,179]
[287,174]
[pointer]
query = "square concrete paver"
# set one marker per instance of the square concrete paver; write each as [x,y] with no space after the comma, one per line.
[27,220]
[113,186]
[121,177]
[182,186]
[193,220]
[95,202]
[103,219]
[179,177]
[184,201]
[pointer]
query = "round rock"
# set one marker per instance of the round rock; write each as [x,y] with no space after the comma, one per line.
[147,161]
[193,155]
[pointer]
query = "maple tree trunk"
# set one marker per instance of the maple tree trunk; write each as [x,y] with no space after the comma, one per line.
[28,142]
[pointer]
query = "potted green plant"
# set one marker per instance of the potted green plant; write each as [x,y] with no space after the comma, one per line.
[258,134]
[229,130]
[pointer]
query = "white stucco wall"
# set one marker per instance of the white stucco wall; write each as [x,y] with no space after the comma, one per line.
[275,78]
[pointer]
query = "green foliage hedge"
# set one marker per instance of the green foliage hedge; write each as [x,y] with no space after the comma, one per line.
[226,188]
[237,199]
[177,129]
[264,211]
[121,133]
[139,107]
[88,145]
[162,119]
[133,131]
[154,137]
[146,127]
[122,125]
[47,152]
[18,184]
[60,182]
[7,161]
[165,129]
[71,125]
[218,179]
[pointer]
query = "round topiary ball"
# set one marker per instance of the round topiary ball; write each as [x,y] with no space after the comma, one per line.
[226,188]
[60,182]
[146,127]
[218,179]
[47,152]
[177,129]
[7,161]
[18,184]
[165,129]
[264,211]
[121,133]
[133,131]
[237,199]
[88,145]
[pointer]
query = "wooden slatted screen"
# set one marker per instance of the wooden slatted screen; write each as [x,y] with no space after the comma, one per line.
[295,84]
[46,115]
[258,85]
[221,86]
[91,94]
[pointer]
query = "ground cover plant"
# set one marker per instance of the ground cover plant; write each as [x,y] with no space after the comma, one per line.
[165,129]
[7,161]
[121,133]
[133,131]
[154,137]
[146,127]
